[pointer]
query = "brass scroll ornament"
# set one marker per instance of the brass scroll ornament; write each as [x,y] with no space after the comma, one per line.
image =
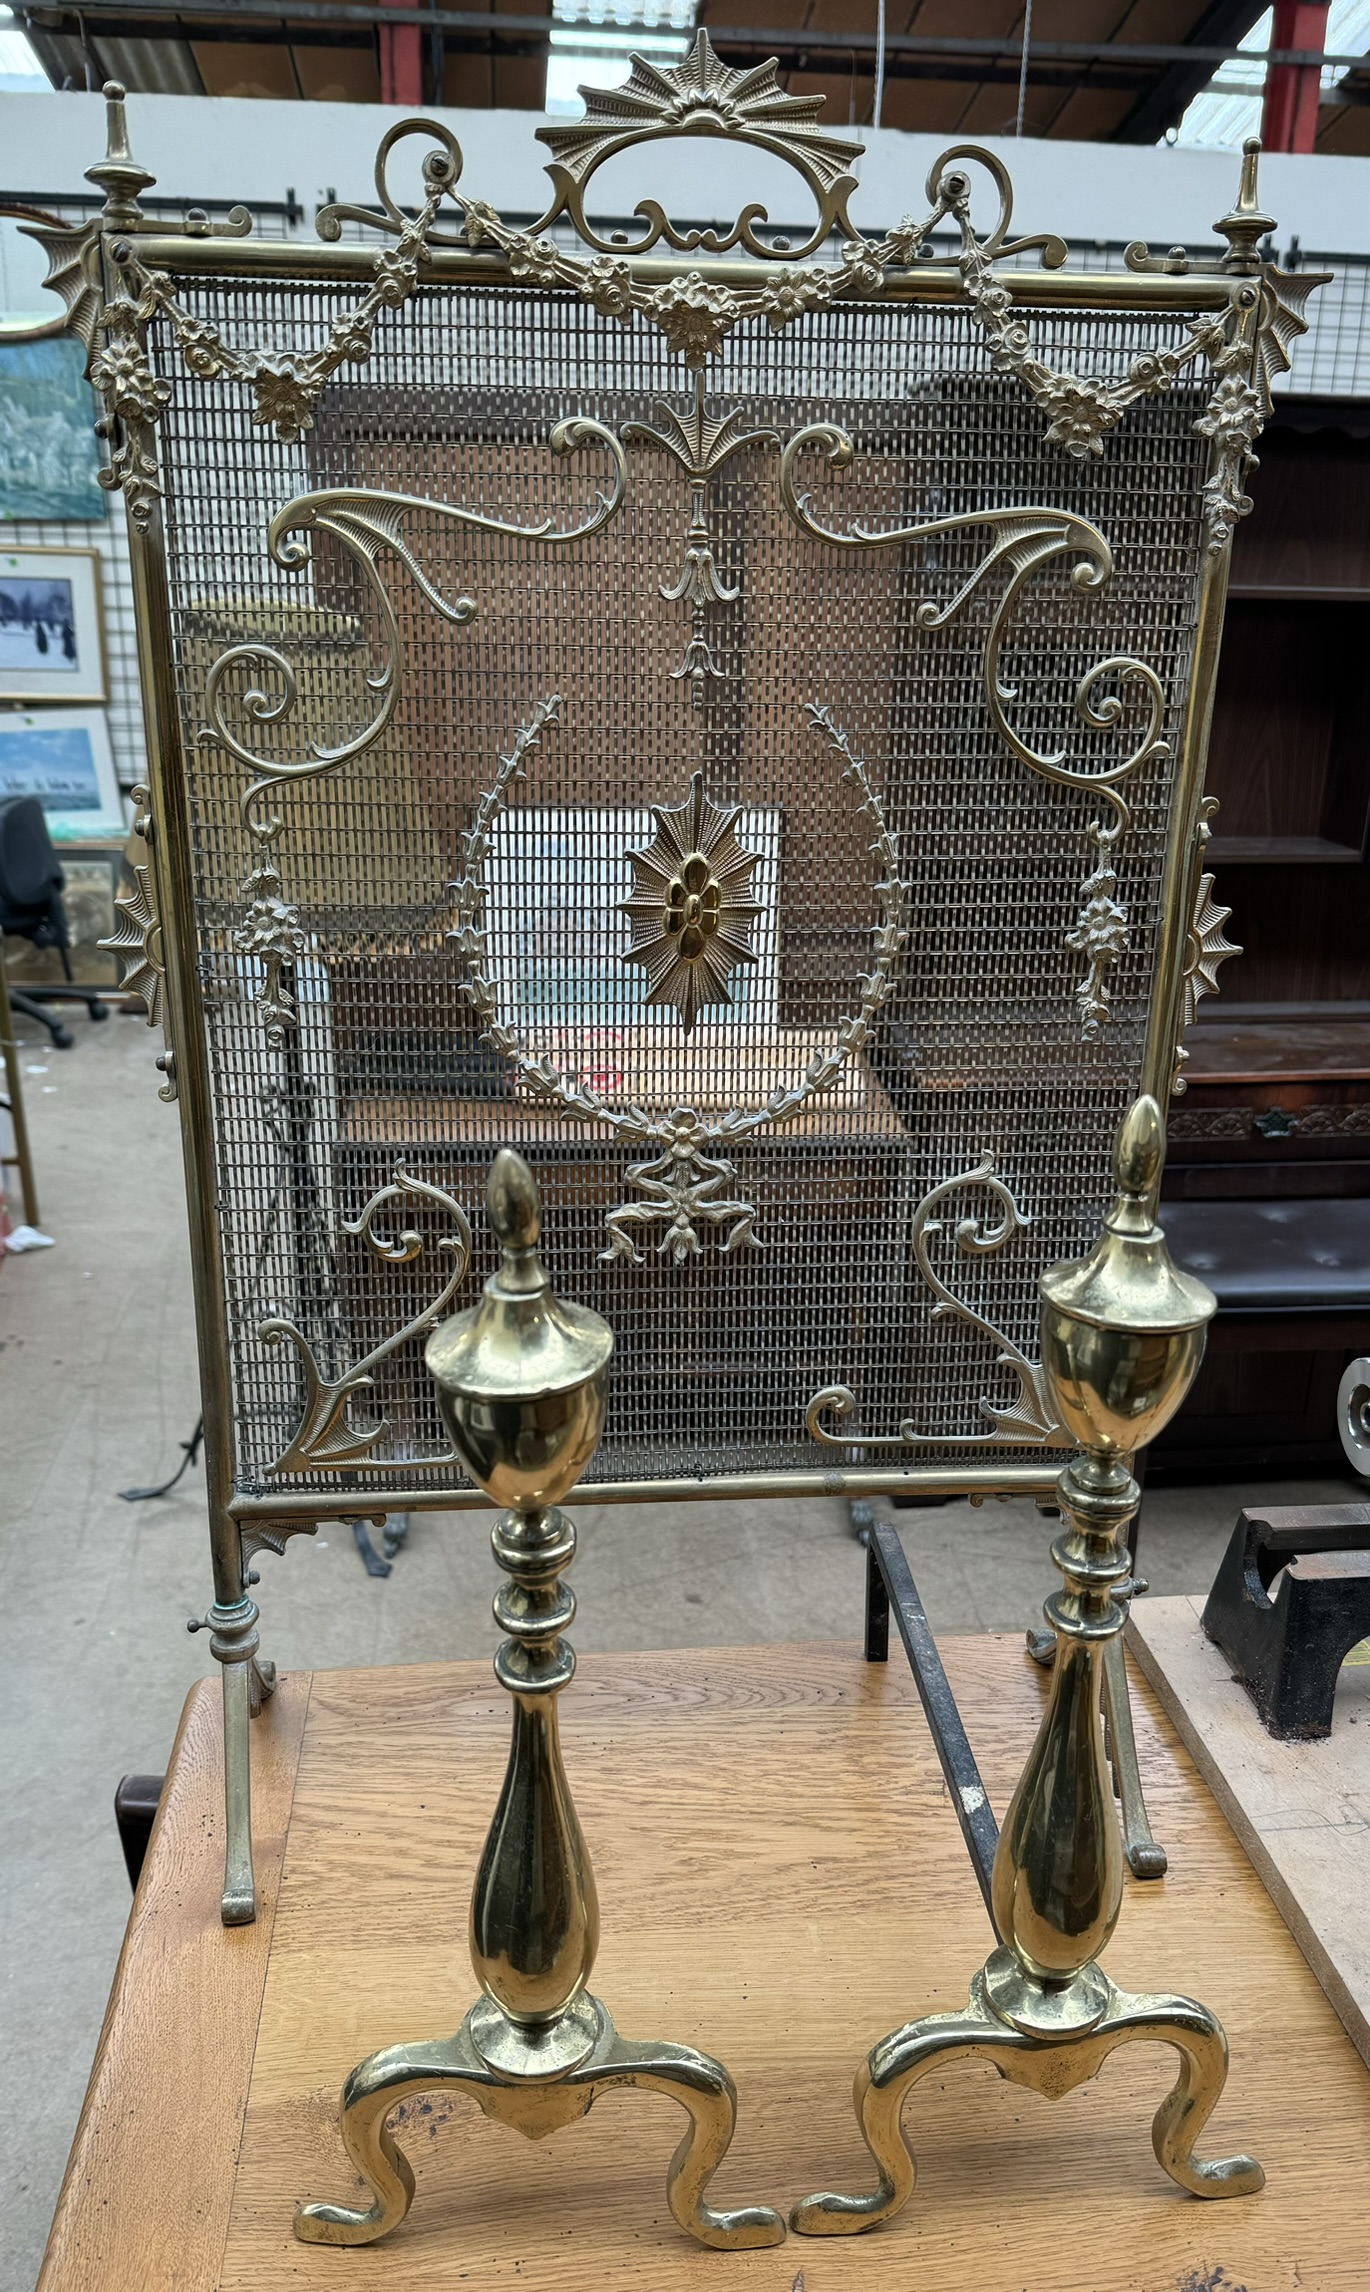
[1030,1417]
[325,1439]
[1023,542]
[368,524]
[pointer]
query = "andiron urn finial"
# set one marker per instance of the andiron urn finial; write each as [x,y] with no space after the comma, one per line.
[522,1382]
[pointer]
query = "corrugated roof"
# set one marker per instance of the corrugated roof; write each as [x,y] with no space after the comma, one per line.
[1097,70]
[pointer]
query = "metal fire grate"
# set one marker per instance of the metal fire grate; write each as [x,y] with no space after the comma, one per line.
[729,724]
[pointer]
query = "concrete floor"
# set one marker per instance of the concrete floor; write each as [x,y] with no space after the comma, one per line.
[97,1387]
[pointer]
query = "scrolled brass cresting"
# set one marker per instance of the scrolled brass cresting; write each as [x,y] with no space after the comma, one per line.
[1122,1339]
[522,1380]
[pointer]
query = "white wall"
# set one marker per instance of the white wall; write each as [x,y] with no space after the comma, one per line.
[230,149]
[225,149]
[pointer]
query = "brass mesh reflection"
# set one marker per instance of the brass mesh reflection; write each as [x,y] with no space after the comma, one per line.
[978,1050]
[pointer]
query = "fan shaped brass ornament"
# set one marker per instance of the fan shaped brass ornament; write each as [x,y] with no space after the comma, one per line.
[690,907]
[701,95]
[1207,949]
[137,941]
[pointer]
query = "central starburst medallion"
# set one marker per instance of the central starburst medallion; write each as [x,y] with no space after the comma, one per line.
[690,907]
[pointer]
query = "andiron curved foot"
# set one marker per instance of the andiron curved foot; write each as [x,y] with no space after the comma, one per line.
[1047,2065]
[537,2107]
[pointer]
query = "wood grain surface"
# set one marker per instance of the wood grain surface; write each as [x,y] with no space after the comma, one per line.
[148,2183]
[782,1881]
[1301,1810]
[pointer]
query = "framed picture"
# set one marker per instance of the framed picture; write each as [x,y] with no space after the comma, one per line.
[557,936]
[51,645]
[62,756]
[93,876]
[49,457]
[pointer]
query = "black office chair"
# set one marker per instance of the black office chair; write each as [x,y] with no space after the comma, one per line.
[31,908]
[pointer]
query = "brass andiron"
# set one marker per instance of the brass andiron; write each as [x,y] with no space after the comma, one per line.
[522,1380]
[1122,1337]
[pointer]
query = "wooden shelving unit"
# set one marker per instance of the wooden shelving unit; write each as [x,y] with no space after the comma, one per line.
[1289,763]
[1275,1122]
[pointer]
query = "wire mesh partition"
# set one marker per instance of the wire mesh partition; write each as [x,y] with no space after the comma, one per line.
[826,712]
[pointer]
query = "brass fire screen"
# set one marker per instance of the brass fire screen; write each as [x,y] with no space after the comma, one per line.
[722,713]
[728,723]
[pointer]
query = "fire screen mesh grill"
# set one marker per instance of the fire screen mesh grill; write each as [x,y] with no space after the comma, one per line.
[899,975]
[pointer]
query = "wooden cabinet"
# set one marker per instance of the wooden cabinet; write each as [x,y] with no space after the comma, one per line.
[1291,734]
[1277,1107]
[1289,763]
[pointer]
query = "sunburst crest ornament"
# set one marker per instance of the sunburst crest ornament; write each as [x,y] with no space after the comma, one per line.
[690,907]
[702,96]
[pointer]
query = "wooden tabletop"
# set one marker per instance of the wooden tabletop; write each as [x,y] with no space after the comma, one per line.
[782,1881]
[1297,1050]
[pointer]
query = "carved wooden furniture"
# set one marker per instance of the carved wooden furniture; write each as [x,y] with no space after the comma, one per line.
[1292,1279]
[727,711]
[1271,1142]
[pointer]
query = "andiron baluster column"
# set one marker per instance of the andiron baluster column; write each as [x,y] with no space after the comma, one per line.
[1122,1337]
[522,1380]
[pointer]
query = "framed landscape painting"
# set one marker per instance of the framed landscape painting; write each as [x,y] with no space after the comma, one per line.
[62,756]
[93,877]
[49,458]
[50,636]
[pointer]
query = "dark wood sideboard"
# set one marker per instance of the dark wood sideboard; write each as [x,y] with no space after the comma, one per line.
[1268,1182]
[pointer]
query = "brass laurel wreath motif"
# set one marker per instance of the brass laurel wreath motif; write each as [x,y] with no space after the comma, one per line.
[683,1183]
[1029,1420]
[325,1440]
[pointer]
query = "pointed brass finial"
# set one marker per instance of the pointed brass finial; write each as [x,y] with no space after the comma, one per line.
[1123,1329]
[512,1195]
[119,175]
[515,1207]
[1246,226]
[521,1376]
